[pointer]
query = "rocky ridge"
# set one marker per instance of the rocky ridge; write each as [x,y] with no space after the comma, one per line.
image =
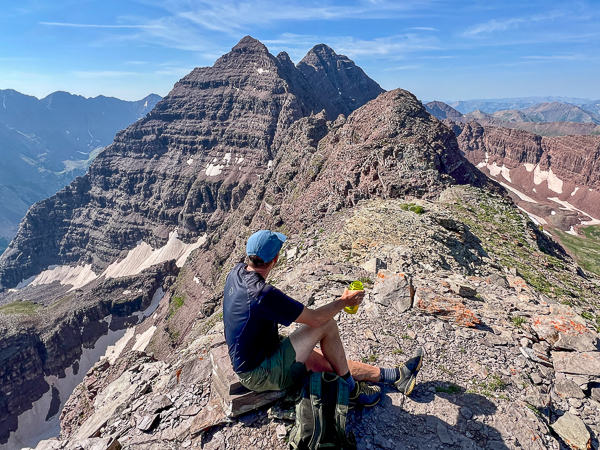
[496,381]
[486,305]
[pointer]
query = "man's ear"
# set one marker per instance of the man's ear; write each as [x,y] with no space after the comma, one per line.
[275,260]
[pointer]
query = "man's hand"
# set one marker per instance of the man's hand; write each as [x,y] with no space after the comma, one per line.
[316,317]
[352,298]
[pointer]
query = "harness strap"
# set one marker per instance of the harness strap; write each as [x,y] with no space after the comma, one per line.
[317,408]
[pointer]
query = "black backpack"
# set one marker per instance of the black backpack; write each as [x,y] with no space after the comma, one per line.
[321,414]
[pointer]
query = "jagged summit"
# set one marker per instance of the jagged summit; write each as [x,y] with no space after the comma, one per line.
[248,43]
[337,80]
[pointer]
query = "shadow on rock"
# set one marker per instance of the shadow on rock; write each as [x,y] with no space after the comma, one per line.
[427,419]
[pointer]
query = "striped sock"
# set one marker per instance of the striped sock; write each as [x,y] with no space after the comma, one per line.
[389,375]
[348,379]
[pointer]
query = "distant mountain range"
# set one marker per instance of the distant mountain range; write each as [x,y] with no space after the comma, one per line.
[545,119]
[45,144]
[500,104]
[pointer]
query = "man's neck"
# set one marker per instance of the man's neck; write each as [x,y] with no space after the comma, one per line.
[263,271]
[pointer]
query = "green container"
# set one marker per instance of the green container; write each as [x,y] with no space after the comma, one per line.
[354,286]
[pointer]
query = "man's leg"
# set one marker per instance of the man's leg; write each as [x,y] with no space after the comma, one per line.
[332,357]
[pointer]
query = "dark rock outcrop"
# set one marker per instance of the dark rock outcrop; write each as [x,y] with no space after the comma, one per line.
[341,84]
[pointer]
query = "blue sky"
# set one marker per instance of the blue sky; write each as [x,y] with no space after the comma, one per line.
[442,50]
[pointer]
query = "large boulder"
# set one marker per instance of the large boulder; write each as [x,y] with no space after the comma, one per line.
[394,289]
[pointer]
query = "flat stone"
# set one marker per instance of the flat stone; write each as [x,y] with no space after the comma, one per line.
[466,412]
[394,289]
[498,280]
[564,329]
[374,265]
[443,434]
[146,422]
[159,403]
[568,389]
[585,363]
[586,342]
[463,289]
[573,431]
[211,415]
[445,308]
[49,444]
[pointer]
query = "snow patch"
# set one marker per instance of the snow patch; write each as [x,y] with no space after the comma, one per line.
[213,170]
[554,183]
[529,167]
[261,70]
[270,164]
[572,231]
[227,158]
[77,276]
[575,191]
[239,160]
[570,207]
[197,280]
[142,341]
[144,256]
[536,219]
[522,196]
[25,282]
[553,213]
[190,161]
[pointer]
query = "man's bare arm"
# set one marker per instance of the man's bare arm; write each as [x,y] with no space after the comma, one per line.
[317,317]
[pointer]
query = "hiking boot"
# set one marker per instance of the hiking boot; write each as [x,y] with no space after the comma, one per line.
[408,373]
[366,395]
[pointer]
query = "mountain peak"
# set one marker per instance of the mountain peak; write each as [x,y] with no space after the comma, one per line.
[322,50]
[337,79]
[249,44]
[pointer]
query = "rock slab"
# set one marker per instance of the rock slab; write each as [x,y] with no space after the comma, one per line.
[573,431]
[235,397]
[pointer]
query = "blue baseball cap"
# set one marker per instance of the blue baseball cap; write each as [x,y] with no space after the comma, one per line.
[265,244]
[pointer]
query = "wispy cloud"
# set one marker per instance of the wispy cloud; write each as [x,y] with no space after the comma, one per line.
[554,57]
[135,63]
[423,28]
[104,74]
[233,16]
[408,67]
[506,24]
[389,47]
[91,25]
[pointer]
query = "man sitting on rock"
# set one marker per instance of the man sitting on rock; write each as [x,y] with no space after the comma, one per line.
[252,309]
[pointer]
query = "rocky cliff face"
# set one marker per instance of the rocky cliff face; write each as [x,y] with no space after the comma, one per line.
[561,173]
[39,345]
[188,163]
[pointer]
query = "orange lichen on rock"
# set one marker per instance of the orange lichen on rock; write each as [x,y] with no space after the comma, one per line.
[445,307]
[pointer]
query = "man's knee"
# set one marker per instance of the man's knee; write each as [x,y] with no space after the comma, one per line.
[330,327]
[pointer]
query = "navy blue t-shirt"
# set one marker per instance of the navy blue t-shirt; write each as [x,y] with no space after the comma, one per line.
[252,309]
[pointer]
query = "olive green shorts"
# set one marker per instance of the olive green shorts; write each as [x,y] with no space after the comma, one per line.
[277,372]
